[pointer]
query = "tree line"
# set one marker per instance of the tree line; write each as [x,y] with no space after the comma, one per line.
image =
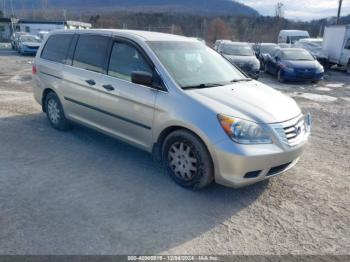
[209,28]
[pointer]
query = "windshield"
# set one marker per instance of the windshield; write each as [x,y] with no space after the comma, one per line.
[297,55]
[317,42]
[314,43]
[293,39]
[30,38]
[193,64]
[267,49]
[238,50]
[314,46]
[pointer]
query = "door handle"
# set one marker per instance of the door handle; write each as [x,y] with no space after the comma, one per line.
[108,87]
[90,82]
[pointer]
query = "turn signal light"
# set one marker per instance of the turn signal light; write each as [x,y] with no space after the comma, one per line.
[34,70]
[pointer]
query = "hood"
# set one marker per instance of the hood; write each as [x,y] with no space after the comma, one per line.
[248,100]
[242,59]
[314,48]
[31,44]
[300,64]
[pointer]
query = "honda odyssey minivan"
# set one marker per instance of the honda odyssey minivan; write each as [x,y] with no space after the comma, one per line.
[173,97]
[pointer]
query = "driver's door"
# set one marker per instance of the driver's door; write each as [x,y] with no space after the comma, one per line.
[275,62]
[130,106]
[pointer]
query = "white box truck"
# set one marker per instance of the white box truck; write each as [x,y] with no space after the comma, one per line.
[336,45]
[291,36]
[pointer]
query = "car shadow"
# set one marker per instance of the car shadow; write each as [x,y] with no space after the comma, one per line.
[271,80]
[81,192]
[8,52]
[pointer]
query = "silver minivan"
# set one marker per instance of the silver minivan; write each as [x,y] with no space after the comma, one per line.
[173,97]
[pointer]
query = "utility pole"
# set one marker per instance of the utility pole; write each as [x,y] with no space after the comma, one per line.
[4,8]
[339,10]
[13,12]
[279,10]
[65,15]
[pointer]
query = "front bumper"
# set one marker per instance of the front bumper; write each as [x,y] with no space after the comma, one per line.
[29,50]
[250,71]
[254,74]
[238,165]
[301,76]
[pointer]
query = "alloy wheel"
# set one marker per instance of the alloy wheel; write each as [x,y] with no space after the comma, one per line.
[53,111]
[182,161]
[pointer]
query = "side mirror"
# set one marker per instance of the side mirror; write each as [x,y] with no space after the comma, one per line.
[142,78]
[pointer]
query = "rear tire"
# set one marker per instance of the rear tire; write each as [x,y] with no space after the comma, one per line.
[265,69]
[55,113]
[348,68]
[280,77]
[187,160]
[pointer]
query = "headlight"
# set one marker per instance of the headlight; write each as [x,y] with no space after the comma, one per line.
[287,68]
[319,68]
[256,65]
[243,131]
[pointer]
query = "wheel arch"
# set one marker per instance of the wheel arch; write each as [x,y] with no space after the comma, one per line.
[347,69]
[157,146]
[45,93]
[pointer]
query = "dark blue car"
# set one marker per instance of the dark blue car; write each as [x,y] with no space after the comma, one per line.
[294,64]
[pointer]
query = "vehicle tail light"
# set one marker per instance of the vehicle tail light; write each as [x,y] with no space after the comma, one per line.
[34,70]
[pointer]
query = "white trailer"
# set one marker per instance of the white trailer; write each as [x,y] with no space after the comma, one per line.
[336,45]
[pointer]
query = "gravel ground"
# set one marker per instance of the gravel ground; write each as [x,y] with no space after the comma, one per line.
[81,192]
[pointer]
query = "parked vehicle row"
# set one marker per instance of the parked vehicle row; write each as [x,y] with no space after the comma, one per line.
[287,63]
[332,50]
[241,55]
[262,51]
[172,96]
[15,39]
[314,46]
[294,64]
[291,36]
[25,43]
[28,44]
[336,46]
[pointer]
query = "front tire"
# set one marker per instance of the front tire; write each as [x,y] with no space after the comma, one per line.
[55,113]
[187,160]
[348,68]
[280,77]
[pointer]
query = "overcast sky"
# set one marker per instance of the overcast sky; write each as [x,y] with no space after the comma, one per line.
[300,9]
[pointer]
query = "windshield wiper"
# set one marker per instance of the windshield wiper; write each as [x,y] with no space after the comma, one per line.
[241,80]
[204,85]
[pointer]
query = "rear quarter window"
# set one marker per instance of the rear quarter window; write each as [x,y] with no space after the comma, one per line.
[56,48]
[90,52]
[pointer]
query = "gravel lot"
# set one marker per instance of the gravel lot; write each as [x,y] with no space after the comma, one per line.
[81,192]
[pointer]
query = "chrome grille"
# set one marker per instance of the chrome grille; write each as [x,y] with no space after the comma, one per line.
[294,131]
